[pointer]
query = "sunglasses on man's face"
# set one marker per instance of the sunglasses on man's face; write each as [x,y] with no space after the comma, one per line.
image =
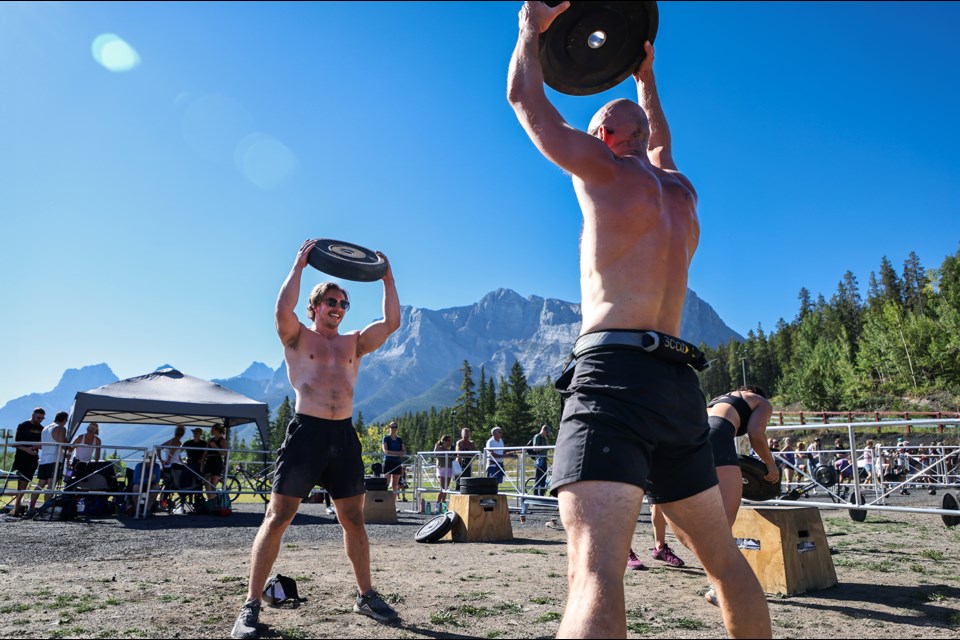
[333,302]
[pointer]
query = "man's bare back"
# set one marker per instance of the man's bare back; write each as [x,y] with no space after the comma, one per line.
[639,235]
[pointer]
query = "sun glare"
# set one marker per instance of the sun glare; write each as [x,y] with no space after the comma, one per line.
[114,53]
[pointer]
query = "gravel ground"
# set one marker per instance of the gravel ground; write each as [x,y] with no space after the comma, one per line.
[185,576]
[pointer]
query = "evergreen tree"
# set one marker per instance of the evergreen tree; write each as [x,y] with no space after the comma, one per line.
[278,427]
[891,288]
[513,408]
[483,399]
[914,284]
[467,402]
[805,306]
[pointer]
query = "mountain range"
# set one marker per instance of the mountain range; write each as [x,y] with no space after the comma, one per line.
[420,365]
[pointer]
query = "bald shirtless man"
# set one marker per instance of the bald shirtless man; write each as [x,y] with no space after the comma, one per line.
[321,445]
[634,415]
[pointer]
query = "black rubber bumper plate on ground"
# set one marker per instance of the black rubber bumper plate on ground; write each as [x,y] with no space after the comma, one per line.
[436,528]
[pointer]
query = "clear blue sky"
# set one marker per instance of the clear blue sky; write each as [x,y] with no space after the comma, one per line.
[151,211]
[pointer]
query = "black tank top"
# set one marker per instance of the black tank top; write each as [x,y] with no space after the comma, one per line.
[741,406]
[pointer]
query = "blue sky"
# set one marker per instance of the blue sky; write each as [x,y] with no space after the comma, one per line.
[150,214]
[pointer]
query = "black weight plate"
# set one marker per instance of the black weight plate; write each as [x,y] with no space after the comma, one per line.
[345,260]
[375,484]
[858,515]
[478,481]
[826,475]
[577,62]
[949,502]
[436,528]
[754,486]
[479,491]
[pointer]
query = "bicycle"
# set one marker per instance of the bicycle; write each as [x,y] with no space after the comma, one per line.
[530,489]
[261,482]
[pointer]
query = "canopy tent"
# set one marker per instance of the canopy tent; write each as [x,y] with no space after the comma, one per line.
[166,397]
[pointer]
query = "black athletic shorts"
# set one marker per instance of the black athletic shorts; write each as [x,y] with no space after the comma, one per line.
[46,471]
[723,440]
[25,465]
[631,417]
[213,466]
[319,452]
[392,466]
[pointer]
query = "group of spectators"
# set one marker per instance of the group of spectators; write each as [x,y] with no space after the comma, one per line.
[43,451]
[455,460]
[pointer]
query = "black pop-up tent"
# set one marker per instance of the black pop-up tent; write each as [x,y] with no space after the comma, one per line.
[166,397]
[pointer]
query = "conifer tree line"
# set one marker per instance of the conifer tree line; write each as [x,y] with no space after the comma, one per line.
[884,353]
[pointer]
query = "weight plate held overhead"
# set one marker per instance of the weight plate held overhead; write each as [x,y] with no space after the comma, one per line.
[346,260]
[593,46]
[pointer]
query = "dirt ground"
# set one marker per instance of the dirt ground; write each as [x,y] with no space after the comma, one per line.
[184,577]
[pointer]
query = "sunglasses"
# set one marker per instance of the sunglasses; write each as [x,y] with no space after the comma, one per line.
[333,302]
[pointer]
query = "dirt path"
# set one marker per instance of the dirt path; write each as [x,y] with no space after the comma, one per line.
[184,577]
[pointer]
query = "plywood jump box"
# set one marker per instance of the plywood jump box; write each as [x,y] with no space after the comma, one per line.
[380,507]
[786,548]
[483,518]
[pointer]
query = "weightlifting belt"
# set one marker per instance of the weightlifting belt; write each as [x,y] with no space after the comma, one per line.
[661,345]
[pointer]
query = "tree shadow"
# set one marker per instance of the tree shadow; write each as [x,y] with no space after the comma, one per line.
[859,601]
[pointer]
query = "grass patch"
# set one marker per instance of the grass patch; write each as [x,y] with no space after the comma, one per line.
[444,619]
[550,616]
[544,600]
[471,578]
[71,632]
[473,596]
[14,608]
[226,579]
[292,633]
[114,601]
[303,578]
[933,554]
[493,634]
[167,598]
[536,552]
[554,574]
[473,612]
[210,620]
[691,624]
[642,628]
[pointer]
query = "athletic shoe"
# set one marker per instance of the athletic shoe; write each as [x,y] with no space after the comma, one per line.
[248,622]
[633,562]
[371,604]
[711,597]
[668,556]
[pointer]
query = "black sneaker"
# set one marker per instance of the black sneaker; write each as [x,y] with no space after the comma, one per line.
[248,622]
[371,604]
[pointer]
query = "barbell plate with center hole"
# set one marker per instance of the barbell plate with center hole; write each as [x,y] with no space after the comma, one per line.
[346,260]
[754,486]
[949,502]
[593,46]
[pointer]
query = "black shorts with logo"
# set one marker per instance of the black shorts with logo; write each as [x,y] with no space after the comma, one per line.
[631,417]
[319,452]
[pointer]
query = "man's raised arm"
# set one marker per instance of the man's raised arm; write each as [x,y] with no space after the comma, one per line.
[659,148]
[288,325]
[376,333]
[572,150]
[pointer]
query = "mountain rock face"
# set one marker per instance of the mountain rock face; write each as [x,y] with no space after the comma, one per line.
[419,365]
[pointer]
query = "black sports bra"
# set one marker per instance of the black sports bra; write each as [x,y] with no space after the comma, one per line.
[741,406]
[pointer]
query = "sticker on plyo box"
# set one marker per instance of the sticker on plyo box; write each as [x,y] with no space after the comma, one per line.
[806,546]
[750,544]
[488,502]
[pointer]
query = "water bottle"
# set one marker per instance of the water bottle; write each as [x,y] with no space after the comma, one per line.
[428,508]
[441,507]
[80,506]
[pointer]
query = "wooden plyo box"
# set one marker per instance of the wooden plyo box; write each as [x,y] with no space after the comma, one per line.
[786,548]
[482,519]
[380,507]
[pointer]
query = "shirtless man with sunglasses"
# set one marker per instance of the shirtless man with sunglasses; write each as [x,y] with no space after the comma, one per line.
[321,444]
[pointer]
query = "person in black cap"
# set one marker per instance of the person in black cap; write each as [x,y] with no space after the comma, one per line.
[194,450]
[27,456]
[634,419]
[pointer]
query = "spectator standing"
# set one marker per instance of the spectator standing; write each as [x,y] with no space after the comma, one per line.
[27,456]
[86,449]
[444,465]
[194,449]
[213,460]
[540,460]
[52,457]
[394,452]
[465,461]
[495,455]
